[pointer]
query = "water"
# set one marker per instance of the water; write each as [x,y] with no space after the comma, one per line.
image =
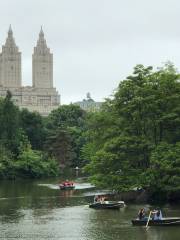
[39,210]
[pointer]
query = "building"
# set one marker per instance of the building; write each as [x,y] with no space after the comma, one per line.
[89,104]
[41,96]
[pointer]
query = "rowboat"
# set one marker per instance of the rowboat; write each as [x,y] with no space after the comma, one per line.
[63,187]
[171,221]
[67,185]
[107,205]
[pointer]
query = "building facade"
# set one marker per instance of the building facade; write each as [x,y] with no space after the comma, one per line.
[41,96]
[89,104]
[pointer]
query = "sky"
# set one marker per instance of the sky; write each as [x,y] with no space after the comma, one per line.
[95,43]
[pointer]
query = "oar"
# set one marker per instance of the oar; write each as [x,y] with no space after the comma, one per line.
[148,220]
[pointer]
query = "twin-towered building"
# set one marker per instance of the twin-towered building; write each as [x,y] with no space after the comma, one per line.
[41,96]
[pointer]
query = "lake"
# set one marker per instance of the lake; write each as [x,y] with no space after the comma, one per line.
[39,210]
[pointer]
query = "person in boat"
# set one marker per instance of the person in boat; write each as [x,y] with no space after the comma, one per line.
[103,199]
[100,199]
[157,214]
[72,184]
[142,214]
[66,183]
[97,199]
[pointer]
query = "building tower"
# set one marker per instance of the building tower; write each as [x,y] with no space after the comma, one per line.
[10,63]
[42,64]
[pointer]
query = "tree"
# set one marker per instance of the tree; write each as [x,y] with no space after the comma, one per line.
[59,145]
[17,129]
[163,177]
[6,163]
[144,112]
[34,164]
[33,126]
[10,133]
[65,127]
[66,115]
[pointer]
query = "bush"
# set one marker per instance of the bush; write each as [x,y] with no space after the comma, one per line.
[33,164]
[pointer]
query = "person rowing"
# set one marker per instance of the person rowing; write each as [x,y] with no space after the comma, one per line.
[101,199]
[156,214]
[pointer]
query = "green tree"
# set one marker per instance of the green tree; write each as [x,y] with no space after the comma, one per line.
[66,115]
[9,124]
[17,159]
[34,164]
[163,177]
[65,127]
[59,145]
[144,112]
[6,163]
[33,125]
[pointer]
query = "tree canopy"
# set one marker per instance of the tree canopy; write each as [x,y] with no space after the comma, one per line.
[126,136]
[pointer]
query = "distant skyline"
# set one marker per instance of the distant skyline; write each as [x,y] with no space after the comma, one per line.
[95,43]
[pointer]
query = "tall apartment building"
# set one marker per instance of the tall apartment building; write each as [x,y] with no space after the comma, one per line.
[41,96]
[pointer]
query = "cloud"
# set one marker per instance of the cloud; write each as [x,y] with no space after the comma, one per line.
[95,43]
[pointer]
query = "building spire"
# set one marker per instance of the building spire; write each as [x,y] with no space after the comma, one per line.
[10,32]
[41,47]
[41,34]
[10,44]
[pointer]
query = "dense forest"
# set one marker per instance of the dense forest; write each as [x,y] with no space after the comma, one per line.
[133,142]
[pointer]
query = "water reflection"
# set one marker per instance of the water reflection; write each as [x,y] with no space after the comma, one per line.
[68,193]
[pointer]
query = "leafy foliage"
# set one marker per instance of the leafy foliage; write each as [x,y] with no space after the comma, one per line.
[34,164]
[33,125]
[123,140]
[18,130]
[59,145]
[164,173]
[65,127]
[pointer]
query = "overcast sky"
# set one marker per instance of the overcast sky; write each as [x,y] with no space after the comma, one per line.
[96,43]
